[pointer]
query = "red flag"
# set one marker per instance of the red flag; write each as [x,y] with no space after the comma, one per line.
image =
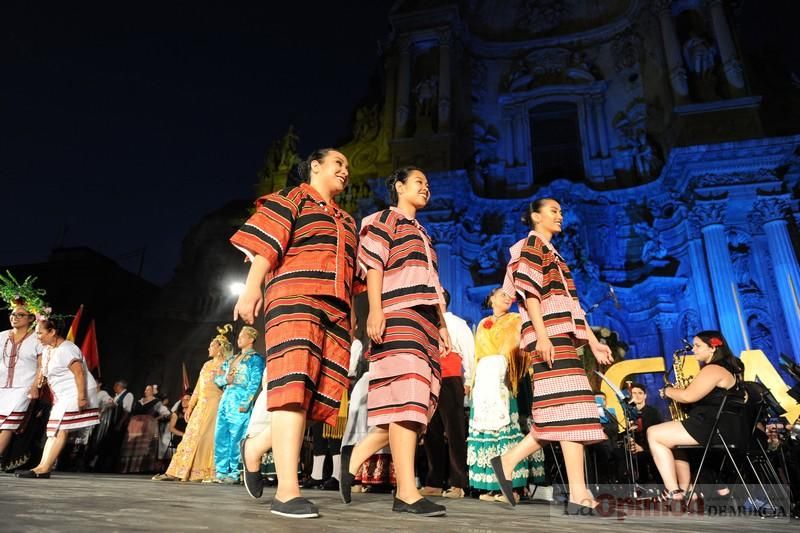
[72,334]
[185,378]
[89,349]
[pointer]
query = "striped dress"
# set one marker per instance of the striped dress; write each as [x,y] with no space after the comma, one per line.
[404,370]
[310,245]
[563,402]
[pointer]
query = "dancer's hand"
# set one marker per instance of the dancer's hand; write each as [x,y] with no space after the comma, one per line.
[445,346]
[376,325]
[546,351]
[249,305]
[602,352]
[83,403]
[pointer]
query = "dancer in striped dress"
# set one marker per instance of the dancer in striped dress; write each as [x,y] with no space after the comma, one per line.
[408,333]
[302,247]
[553,327]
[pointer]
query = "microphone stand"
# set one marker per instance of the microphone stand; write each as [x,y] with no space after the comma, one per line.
[630,462]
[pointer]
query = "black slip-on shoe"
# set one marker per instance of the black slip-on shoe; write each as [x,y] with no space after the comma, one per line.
[33,475]
[295,508]
[253,481]
[346,479]
[421,507]
[505,485]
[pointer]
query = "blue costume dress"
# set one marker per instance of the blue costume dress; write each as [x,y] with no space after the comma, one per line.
[234,409]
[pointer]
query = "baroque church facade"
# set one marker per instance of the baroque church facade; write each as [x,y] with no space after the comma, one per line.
[676,163]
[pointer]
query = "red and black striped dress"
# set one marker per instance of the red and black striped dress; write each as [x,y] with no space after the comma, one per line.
[310,245]
[404,370]
[563,402]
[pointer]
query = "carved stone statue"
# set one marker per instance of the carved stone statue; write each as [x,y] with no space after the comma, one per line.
[426,91]
[366,125]
[652,248]
[699,55]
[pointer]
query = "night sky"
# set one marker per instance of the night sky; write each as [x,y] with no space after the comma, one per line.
[123,125]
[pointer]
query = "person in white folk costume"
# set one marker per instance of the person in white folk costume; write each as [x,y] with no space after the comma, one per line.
[75,403]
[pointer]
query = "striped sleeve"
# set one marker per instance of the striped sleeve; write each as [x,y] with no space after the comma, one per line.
[269,230]
[374,244]
[528,275]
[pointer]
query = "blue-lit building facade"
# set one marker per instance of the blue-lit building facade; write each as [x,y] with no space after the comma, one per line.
[676,164]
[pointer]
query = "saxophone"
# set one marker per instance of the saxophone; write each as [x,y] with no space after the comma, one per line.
[677,410]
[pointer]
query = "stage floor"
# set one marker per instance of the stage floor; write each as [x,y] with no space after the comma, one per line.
[96,502]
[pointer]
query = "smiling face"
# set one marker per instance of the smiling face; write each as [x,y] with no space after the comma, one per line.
[702,351]
[549,218]
[500,302]
[47,337]
[415,191]
[331,173]
[20,318]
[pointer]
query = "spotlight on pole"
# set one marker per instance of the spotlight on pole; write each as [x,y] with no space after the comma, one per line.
[236,288]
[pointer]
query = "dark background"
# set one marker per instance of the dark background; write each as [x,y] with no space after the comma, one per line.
[123,124]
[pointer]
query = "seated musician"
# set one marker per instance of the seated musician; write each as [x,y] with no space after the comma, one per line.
[720,375]
[647,416]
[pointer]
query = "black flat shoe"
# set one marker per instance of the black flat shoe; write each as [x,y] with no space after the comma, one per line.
[421,507]
[346,479]
[32,474]
[331,484]
[253,481]
[505,485]
[311,483]
[295,508]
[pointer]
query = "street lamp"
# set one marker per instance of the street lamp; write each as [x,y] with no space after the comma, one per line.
[236,288]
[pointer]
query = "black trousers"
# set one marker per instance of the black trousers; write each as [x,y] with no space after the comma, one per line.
[448,420]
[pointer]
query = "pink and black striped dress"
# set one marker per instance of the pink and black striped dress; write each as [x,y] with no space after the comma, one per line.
[404,370]
[563,402]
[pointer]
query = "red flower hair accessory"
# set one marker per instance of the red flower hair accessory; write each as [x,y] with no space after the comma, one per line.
[715,342]
[488,324]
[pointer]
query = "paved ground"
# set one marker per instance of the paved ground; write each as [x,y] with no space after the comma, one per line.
[92,502]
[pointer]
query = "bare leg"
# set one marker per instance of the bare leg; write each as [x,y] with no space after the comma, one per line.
[684,473]
[515,455]
[52,449]
[255,449]
[403,442]
[5,438]
[376,439]
[662,439]
[289,427]
[573,460]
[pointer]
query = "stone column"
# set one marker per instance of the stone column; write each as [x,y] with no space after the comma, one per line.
[403,86]
[443,234]
[507,140]
[727,50]
[665,322]
[591,127]
[445,71]
[700,281]
[672,49]
[598,103]
[711,216]
[773,213]
[519,136]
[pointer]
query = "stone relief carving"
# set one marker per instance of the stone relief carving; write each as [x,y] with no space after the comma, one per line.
[635,148]
[626,48]
[367,124]
[652,247]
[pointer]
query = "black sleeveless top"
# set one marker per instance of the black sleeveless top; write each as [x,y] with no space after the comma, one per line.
[732,424]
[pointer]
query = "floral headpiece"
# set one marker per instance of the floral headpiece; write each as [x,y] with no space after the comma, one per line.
[715,342]
[14,293]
